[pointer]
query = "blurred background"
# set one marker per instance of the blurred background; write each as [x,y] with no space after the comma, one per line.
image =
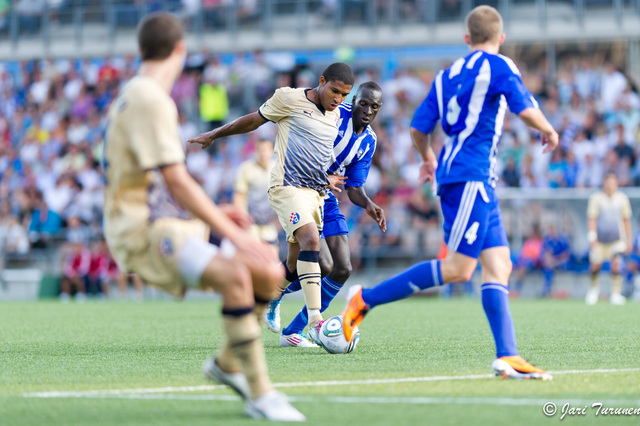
[63,61]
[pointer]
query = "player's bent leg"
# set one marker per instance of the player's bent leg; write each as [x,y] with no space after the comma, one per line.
[616,297]
[496,268]
[325,259]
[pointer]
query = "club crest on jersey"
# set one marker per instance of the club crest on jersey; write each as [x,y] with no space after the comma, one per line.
[294,218]
[165,247]
[360,153]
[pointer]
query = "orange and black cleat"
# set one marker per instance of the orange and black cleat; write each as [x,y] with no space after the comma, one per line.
[516,367]
[355,311]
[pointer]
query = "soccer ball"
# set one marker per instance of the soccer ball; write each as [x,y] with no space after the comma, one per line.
[332,337]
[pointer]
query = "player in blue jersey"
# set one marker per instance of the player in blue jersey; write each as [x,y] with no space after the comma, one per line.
[353,152]
[470,98]
[556,252]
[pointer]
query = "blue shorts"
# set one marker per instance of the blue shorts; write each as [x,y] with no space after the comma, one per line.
[472,218]
[334,221]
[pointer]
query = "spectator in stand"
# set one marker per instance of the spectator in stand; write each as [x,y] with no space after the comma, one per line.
[76,262]
[13,236]
[214,103]
[98,270]
[613,84]
[44,223]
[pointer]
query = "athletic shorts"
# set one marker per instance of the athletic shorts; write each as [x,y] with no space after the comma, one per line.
[602,252]
[178,253]
[334,221]
[296,207]
[472,218]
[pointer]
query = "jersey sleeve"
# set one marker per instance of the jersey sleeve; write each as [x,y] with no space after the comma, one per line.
[509,84]
[276,108]
[592,207]
[358,171]
[153,126]
[428,113]
[626,208]
[241,184]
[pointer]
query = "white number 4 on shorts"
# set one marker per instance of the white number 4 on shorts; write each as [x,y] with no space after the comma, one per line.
[472,233]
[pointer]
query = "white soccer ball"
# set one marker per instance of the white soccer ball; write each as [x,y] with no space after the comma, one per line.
[332,337]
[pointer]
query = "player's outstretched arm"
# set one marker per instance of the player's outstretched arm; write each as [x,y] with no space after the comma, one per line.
[533,117]
[190,195]
[240,125]
[422,142]
[359,197]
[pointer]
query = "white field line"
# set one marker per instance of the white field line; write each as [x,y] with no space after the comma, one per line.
[147,391]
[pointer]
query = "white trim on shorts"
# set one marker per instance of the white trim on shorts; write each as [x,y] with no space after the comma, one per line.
[196,253]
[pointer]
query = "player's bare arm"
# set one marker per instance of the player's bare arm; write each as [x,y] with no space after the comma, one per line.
[533,117]
[422,142]
[190,195]
[359,197]
[244,124]
[334,181]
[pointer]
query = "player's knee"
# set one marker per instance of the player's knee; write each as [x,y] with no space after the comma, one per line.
[341,272]
[507,266]
[237,286]
[273,277]
[326,265]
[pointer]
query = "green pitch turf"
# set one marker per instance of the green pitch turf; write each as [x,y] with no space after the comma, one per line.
[49,346]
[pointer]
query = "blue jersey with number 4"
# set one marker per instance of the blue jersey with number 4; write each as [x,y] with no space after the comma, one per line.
[470,98]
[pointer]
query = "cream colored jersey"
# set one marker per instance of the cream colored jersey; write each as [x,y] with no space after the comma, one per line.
[304,144]
[609,213]
[142,136]
[252,180]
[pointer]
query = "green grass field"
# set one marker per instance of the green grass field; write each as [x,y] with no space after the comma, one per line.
[55,347]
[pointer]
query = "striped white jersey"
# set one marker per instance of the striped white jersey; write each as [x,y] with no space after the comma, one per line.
[352,154]
[471,98]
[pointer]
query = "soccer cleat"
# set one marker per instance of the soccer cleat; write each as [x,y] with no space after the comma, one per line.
[314,332]
[617,299]
[273,405]
[515,367]
[592,296]
[271,316]
[236,381]
[355,311]
[296,340]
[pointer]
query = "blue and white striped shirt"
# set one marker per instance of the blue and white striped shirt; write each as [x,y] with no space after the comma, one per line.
[471,98]
[352,154]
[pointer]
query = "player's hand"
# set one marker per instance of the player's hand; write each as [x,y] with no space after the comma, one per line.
[239,217]
[550,141]
[336,180]
[254,249]
[428,169]
[204,139]
[377,214]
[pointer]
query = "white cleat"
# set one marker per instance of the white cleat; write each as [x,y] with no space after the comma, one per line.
[314,332]
[592,297]
[298,340]
[617,299]
[236,381]
[271,316]
[273,405]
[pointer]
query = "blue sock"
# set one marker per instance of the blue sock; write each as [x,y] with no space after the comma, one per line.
[329,290]
[548,280]
[495,301]
[293,287]
[418,277]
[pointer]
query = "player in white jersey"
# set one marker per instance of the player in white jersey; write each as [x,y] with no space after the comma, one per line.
[609,215]
[307,126]
[470,99]
[353,151]
[161,225]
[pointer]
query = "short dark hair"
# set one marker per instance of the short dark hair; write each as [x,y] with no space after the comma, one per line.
[339,71]
[158,35]
[371,85]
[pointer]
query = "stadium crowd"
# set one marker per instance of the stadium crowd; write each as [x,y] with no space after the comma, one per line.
[52,118]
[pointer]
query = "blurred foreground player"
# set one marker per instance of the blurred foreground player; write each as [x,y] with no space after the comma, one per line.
[158,220]
[470,98]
